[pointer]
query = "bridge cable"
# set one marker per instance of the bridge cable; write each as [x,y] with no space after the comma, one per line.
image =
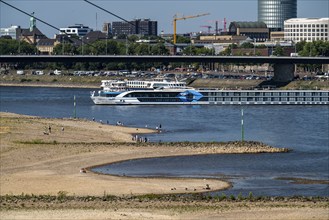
[44,22]
[103,9]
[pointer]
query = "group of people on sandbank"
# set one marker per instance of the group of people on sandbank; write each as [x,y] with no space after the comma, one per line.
[158,128]
[139,139]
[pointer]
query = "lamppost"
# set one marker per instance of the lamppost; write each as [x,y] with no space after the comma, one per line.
[254,46]
[106,44]
[126,44]
[19,46]
[81,45]
[63,42]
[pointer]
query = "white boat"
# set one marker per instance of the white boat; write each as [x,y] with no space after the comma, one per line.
[174,93]
[126,85]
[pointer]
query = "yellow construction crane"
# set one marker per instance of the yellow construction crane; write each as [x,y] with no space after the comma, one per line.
[184,18]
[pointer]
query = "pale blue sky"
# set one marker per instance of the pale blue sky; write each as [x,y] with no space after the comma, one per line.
[62,13]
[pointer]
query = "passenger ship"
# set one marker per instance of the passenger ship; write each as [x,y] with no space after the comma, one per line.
[175,93]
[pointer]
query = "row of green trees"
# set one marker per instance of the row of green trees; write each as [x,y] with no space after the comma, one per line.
[130,47]
[111,47]
[9,46]
[315,48]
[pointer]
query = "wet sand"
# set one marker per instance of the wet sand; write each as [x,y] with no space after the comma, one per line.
[36,160]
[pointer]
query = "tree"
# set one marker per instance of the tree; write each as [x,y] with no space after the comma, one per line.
[133,38]
[278,51]
[299,46]
[190,50]
[65,48]
[142,49]
[181,39]
[247,45]
[228,50]
[10,46]
[159,49]
[315,48]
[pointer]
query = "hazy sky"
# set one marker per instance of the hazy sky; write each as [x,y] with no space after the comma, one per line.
[62,13]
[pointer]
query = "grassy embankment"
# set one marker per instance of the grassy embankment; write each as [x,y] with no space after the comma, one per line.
[94,82]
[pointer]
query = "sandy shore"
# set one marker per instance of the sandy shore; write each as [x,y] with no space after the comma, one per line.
[41,163]
[37,161]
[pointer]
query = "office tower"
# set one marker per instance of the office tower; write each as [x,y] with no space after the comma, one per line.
[275,12]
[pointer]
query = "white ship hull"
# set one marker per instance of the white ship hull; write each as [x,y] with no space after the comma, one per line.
[213,97]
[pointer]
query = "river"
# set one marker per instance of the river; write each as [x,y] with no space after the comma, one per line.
[304,129]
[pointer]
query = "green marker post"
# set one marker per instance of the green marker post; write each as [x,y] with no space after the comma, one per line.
[242,126]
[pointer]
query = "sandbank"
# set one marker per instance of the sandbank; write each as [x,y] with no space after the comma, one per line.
[37,161]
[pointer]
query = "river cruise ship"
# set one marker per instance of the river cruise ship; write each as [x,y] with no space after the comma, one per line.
[125,85]
[179,94]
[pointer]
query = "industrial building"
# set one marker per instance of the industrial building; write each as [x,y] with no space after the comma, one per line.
[256,31]
[306,29]
[275,12]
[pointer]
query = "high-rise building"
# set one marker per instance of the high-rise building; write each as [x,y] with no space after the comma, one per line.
[275,12]
[137,26]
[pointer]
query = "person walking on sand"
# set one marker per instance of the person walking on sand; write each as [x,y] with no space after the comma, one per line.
[49,129]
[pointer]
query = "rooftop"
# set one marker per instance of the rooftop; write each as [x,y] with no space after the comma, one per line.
[248,24]
[310,20]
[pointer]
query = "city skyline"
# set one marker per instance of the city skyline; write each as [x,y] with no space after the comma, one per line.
[62,13]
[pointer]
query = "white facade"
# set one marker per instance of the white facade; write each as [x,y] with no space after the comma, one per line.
[306,29]
[78,30]
[10,31]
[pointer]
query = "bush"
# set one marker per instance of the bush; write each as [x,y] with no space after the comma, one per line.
[26,80]
[251,196]
[240,197]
